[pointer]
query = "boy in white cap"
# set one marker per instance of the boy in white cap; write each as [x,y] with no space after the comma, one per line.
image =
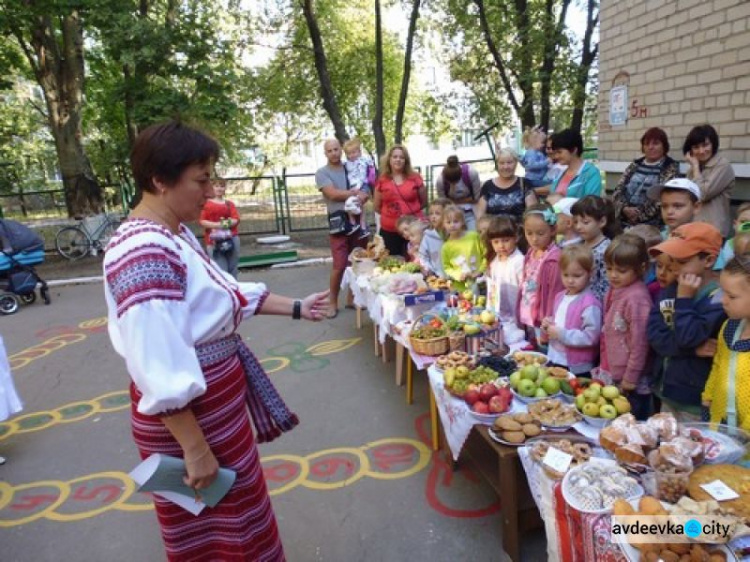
[680,201]
[566,234]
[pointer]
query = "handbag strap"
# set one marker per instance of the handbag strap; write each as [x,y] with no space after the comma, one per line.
[731,383]
[398,190]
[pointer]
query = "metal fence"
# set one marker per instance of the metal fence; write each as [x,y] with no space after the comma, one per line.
[283,204]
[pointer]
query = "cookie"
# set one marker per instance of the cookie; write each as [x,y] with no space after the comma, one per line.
[530,429]
[514,436]
[507,424]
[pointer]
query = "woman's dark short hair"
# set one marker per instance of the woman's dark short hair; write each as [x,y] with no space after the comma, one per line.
[568,139]
[699,135]
[658,135]
[165,150]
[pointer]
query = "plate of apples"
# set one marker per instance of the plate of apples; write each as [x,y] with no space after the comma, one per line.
[488,401]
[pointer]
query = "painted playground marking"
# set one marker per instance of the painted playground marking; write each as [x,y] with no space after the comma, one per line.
[93,494]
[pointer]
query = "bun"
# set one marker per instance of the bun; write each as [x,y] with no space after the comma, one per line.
[611,438]
[630,454]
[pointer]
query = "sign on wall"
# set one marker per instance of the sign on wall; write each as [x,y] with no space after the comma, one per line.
[618,105]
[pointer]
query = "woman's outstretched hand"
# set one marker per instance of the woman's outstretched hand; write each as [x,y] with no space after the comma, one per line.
[315,306]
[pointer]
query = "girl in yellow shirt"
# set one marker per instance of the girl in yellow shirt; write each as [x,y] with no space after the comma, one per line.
[727,391]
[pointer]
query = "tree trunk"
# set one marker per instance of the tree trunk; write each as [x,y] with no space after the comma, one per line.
[401,110]
[525,80]
[496,57]
[553,34]
[321,66]
[588,55]
[59,69]
[377,120]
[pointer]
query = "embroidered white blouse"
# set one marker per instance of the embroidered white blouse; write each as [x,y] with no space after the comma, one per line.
[164,296]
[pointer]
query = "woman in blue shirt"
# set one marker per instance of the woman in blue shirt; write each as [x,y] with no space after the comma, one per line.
[581,178]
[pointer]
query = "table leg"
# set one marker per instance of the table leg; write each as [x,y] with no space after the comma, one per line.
[358,318]
[384,349]
[399,364]
[375,339]
[409,380]
[434,421]
[507,472]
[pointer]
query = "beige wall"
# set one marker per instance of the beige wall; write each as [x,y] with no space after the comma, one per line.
[689,63]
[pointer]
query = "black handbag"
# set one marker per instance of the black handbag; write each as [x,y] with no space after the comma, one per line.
[224,246]
[338,220]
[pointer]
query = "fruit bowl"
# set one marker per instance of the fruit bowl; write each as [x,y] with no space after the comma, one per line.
[596,421]
[486,419]
[522,358]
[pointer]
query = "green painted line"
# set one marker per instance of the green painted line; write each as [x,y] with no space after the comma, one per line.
[268,259]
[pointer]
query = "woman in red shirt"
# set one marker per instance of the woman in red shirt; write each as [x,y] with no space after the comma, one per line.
[399,191]
[220,218]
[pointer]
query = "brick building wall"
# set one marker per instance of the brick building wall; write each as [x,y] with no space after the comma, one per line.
[685,62]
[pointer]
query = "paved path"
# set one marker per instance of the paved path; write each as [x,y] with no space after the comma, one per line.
[355,481]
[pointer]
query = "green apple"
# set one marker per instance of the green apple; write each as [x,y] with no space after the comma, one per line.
[590,409]
[592,394]
[487,317]
[580,402]
[543,374]
[601,401]
[526,387]
[608,411]
[514,380]
[551,385]
[481,301]
[468,295]
[530,372]
[610,392]
[540,393]
[471,329]
[462,372]
[622,404]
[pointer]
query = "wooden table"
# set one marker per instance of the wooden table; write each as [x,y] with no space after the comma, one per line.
[501,468]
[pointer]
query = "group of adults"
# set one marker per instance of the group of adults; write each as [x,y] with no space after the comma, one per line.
[400,190]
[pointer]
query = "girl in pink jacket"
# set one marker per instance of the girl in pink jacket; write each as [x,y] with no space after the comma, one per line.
[624,344]
[540,281]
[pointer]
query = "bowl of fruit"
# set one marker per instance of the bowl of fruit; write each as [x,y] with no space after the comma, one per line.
[488,401]
[533,382]
[599,404]
[459,380]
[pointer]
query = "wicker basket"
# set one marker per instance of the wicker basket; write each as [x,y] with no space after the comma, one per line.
[457,340]
[433,346]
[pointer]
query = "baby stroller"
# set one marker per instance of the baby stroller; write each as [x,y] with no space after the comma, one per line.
[21,249]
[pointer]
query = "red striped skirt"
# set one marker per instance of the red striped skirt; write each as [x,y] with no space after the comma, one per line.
[242,526]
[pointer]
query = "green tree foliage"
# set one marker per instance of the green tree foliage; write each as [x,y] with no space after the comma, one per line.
[519,56]
[347,31]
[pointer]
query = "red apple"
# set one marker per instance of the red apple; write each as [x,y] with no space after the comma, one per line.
[471,396]
[481,408]
[487,391]
[498,405]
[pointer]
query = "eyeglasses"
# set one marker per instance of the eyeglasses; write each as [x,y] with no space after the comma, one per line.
[743,227]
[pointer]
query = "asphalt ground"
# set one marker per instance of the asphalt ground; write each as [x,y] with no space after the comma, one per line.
[356,480]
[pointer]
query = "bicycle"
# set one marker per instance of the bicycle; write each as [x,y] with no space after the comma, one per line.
[76,242]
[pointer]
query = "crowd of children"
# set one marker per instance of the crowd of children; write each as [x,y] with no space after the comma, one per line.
[664,315]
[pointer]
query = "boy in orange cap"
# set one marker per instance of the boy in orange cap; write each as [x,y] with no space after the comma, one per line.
[686,316]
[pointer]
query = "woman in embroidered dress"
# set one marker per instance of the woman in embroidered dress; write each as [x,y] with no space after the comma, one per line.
[192,376]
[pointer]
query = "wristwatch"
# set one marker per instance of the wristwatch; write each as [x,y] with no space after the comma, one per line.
[297,310]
